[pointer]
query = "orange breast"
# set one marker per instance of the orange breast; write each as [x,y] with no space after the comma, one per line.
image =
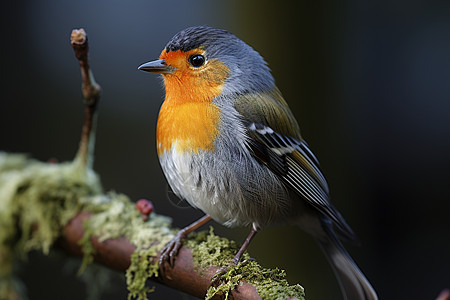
[190,126]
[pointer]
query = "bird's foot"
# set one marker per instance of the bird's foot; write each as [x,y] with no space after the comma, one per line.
[219,276]
[170,251]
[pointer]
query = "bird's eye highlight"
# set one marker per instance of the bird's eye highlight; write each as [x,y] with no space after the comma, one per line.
[197,60]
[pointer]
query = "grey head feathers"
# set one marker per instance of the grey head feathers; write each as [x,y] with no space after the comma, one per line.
[248,70]
[195,37]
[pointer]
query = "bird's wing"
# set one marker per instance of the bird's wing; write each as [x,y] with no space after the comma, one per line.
[274,140]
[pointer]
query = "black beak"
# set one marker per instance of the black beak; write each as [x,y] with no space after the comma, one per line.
[157,66]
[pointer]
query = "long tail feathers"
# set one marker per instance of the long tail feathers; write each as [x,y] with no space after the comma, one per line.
[354,284]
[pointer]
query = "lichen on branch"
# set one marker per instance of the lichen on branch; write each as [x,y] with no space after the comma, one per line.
[209,249]
[37,200]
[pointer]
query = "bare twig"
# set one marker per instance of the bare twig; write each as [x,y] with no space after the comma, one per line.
[91,93]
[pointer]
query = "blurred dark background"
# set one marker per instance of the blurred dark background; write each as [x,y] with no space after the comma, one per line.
[369,82]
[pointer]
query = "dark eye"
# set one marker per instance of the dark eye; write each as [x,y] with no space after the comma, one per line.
[197,60]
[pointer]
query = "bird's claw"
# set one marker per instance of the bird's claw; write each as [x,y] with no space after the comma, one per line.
[217,278]
[170,251]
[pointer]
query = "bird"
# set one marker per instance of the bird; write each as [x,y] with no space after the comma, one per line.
[230,146]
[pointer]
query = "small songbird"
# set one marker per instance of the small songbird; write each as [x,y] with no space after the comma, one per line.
[229,145]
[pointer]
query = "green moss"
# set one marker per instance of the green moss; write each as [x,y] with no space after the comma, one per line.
[141,268]
[211,250]
[37,200]
[40,198]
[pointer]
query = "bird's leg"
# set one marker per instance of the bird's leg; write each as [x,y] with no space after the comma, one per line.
[170,251]
[244,246]
[216,278]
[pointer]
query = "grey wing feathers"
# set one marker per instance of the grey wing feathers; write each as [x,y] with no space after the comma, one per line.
[297,166]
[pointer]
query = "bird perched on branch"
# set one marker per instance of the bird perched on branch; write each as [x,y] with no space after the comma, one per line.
[229,145]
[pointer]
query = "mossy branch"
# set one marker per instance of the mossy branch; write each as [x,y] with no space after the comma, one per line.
[47,204]
[187,275]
